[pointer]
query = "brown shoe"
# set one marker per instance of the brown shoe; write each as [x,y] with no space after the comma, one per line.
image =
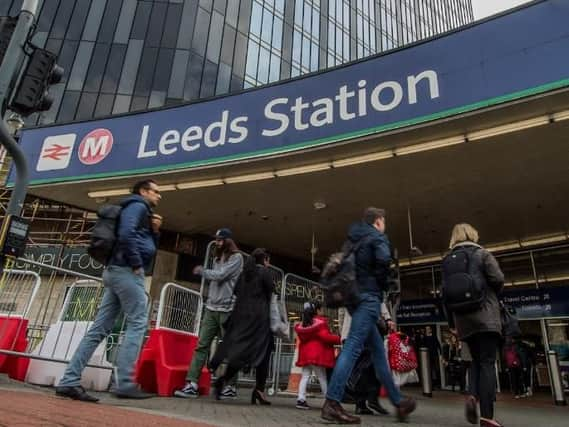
[406,406]
[490,423]
[333,411]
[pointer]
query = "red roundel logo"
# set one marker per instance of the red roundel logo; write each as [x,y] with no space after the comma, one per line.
[95,146]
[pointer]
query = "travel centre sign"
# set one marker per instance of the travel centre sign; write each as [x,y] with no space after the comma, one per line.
[517,55]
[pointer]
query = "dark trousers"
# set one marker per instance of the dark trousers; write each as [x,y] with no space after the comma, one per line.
[517,378]
[483,347]
[261,373]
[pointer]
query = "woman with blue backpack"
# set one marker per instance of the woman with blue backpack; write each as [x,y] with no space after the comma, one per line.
[472,281]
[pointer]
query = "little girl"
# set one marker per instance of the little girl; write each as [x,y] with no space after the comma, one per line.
[316,349]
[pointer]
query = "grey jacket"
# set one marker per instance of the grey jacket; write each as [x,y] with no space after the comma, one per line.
[223,277]
[487,318]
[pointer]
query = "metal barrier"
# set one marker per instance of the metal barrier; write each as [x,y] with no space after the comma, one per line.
[296,291]
[179,310]
[18,289]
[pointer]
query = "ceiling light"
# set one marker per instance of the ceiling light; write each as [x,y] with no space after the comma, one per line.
[509,128]
[167,187]
[503,246]
[562,115]
[427,146]
[558,324]
[356,160]
[303,169]
[199,184]
[247,178]
[544,240]
[108,193]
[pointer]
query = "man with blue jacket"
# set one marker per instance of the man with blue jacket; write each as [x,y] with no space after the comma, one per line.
[123,279]
[373,258]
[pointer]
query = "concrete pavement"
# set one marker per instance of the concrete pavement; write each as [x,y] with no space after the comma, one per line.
[24,405]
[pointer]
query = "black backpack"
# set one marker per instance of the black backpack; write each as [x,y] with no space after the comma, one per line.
[338,279]
[462,291]
[104,233]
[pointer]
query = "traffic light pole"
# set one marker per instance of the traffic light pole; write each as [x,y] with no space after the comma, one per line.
[8,69]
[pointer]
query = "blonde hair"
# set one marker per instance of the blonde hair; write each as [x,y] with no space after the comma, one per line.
[463,233]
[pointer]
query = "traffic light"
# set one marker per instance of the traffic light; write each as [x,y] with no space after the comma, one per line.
[32,93]
[7,27]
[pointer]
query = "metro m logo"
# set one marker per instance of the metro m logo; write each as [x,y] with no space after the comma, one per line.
[96,145]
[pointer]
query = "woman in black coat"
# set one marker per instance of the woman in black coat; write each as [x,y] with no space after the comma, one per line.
[479,327]
[248,341]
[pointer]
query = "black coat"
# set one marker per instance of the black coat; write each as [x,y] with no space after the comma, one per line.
[248,335]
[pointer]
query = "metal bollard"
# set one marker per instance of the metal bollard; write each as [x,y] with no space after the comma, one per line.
[425,365]
[555,379]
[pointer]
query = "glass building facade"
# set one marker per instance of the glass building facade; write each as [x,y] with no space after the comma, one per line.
[131,55]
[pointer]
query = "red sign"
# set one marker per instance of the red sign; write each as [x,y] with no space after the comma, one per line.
[95,146]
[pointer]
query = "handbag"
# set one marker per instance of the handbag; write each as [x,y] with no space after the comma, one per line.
[280,326]
[402,356]
[510,323]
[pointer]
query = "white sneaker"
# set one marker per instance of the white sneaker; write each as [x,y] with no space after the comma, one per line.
[189,391]
[228,392]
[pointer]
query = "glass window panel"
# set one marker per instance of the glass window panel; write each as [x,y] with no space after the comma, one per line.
[130,69]
[199,40]
[140,24]
[97,67]
[220,5]
[277,33]
[113,71]
[86,106]
[296,46]
[315,24]
[194,77]
[139,103]
[163,68]
[104,105]
[228,45]
[215,34]
[280,5]
[40,38]
[78,18]
[66,56]
[172,26]
[298,12]
[79,71]
[256,19]
[307,18]
[305,52]
[62,19]
[223,79]
[244,14]
[187,24]
[109,22]
[232,13]
[47,13]
[275,68]
[176,88]
[156,25]
[68,106]
[314,57]
[146,71]
[264,62]
[206,4]
[56,91]
[208,80]
[126,19]
[239,59]
[236,83]
[122,104]
[157,99]
[252,59]
[295,72]
[267,26]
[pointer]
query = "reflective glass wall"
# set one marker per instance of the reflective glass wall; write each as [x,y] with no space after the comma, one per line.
[130,55]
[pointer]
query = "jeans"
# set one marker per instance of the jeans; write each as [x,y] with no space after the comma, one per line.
[363,331]
[483,347]
[123,290]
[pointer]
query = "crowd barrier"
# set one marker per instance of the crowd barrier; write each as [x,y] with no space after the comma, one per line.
[54,307]
[166,355]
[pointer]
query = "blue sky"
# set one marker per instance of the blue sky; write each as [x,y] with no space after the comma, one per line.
[483,8]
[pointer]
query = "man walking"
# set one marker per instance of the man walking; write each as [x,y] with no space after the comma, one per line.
[223,275]
[372,269]
[123,279]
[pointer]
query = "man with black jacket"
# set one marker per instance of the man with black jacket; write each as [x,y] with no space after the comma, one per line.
[372,268]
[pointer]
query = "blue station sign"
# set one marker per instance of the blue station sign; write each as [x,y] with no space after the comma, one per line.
[499,60]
